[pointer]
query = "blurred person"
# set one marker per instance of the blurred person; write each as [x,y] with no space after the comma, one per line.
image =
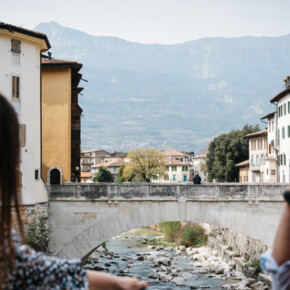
[277,262]
[20,266]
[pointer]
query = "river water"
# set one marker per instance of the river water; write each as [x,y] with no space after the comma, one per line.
[124,262]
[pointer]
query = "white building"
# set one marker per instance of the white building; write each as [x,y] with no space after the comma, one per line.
[282,101]
[20,77]
[272,154]
[199,166]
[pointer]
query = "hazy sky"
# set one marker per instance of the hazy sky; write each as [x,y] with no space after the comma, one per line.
[155,21]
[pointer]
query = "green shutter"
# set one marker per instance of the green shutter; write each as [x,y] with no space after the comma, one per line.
[278,137]
[288,131]
[283,132]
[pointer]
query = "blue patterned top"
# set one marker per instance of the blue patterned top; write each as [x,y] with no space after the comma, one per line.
[33,270]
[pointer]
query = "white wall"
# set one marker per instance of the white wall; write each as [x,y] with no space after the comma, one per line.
[28,111]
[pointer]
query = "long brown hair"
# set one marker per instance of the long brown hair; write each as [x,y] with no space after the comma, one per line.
[9,191]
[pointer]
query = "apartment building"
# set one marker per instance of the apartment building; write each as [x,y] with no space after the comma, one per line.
[61,120]
[282,101]
[20,75]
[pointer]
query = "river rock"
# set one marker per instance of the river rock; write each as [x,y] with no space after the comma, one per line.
[194,287]
[219,270]
[140,258]
[178,281]
[186,275]
[168,249]
[182,248]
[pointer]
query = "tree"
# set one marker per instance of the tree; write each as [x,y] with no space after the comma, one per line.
[103,175]
[120,177]
[225,151]
[144,165]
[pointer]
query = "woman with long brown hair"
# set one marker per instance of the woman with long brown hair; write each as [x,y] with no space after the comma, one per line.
[20,266]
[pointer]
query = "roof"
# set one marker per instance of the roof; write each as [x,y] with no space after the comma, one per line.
[116,154]
[268,116]
[113,163]
[243,164]
[203,155]
[12,28]
[90,151]
[174,162]
[271,158]
[257,134]
[52,62]
[172,152]
[280,95]
[86,174]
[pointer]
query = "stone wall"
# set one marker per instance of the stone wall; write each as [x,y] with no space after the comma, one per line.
[32,213]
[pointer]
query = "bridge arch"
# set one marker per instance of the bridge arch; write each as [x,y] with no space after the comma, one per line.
[95,213]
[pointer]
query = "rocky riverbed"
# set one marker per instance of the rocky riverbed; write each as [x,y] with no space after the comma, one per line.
[134,254]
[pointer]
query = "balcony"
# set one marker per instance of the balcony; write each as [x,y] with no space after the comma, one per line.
[87,163]
[255,167]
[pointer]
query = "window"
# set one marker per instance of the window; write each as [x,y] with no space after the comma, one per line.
[22,131]
[15,46]
[167,168]
[174,177]
[174,168]
[184,168]
[36,174]
[289,107]
[15,52]
[278,137]
[283,132]
[166,177]
[288,131]
[273,172]
[184,177]
[15,88]
[284,108]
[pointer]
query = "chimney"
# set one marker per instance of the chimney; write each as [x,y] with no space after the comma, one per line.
[49,55]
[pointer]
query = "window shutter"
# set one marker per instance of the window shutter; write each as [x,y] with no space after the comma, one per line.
[22,135]
[15,46]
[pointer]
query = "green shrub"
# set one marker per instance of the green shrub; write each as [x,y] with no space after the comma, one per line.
[171,230]
[38,235]
[193,236]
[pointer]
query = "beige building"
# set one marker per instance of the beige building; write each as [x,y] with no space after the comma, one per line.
[86,177]
[91,158]
[258,152]
[243,171]
[113,166]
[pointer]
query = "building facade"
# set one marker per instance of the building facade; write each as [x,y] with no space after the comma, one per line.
[20,75]
[91,158]
[282,101]
[258,143]
[61,121]
[199,166]
[243,171]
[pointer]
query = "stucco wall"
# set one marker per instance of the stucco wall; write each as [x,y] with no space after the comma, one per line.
[56,121]
[28,107]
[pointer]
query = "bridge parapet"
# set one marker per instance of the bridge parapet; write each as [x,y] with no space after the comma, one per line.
[145,191]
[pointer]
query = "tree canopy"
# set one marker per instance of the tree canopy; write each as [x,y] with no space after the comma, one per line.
[225,151]
[144,165]
[103,175]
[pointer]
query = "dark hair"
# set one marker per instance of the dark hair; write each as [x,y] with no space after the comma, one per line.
[9,191]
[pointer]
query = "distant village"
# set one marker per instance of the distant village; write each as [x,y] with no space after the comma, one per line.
[44,91]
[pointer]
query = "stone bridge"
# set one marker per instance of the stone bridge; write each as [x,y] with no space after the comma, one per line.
[82,216]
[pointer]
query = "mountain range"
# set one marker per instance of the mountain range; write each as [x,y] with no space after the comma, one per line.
[170,96]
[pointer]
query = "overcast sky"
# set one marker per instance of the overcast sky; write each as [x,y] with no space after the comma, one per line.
[155,21]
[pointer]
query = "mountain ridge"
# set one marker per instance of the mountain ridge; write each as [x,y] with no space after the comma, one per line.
[176,95]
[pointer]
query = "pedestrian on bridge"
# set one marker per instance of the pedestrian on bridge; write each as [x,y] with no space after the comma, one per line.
[22,267]
[196,179]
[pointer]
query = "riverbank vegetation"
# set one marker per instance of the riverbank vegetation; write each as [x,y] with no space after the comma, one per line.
[175,234]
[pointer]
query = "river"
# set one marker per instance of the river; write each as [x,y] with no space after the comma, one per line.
[125,257]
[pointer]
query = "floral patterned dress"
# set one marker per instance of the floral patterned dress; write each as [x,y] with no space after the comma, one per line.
[33,270]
